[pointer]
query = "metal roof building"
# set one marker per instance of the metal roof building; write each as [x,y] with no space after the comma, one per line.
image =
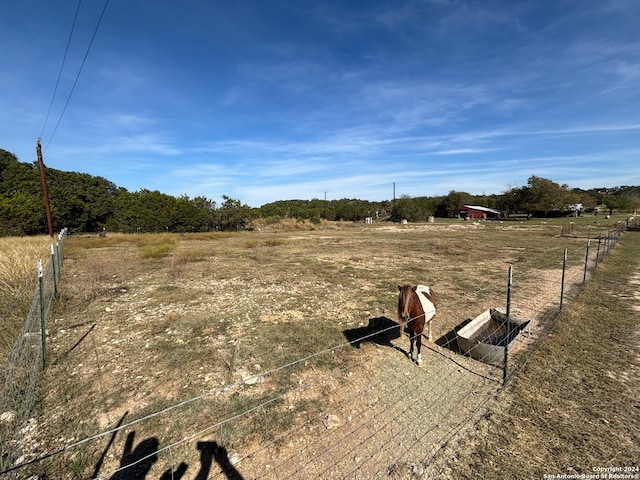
[475,211]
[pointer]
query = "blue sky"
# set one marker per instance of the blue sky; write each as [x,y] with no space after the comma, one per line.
[265,101]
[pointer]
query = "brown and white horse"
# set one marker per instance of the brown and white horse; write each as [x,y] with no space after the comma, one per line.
[416,309]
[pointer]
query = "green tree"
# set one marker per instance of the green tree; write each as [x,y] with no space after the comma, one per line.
[144,211]
[408,208]
[81,202]
[201,213]
[544,195]
[21,214]
[233,215]
[21,204]
[621,202]
[450,204]
[588,200]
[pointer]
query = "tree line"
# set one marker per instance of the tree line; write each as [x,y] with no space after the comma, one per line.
[86,203]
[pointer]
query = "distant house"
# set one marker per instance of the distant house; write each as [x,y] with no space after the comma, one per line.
[575,210]
[476,212]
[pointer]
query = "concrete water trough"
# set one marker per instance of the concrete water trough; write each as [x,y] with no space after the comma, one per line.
[486,336]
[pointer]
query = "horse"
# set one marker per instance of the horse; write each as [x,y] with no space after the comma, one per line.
[416,309]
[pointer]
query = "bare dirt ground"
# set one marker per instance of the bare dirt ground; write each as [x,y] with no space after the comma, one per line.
[229,356]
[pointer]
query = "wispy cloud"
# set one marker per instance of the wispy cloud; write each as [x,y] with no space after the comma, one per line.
[347,99]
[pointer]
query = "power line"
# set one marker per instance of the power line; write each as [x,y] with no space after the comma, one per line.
[64,58]
[106,3]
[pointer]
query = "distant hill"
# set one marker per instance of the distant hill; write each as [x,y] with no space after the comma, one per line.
[85,203]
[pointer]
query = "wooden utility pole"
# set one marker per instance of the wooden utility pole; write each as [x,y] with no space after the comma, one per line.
[393,207]
[43,183]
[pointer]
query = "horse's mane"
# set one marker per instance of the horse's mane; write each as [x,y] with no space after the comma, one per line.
[406,289]
[409,289]
[406,294]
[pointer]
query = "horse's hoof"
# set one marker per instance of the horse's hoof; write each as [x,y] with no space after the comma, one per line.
[418,364]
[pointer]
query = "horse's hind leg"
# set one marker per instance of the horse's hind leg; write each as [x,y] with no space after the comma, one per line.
[429,337]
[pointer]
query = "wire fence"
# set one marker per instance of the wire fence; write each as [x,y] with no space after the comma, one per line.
[571,280]
[26,361]
[391,422]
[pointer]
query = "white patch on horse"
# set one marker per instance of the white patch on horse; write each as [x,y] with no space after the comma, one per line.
[428,307]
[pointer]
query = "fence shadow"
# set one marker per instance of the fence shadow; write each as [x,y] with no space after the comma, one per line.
[80,340]
[380,330]
[98,466]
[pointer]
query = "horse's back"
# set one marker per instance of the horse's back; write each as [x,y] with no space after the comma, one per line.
[427,300]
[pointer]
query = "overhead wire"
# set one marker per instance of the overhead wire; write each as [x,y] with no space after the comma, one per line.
[66,104]
[64,59]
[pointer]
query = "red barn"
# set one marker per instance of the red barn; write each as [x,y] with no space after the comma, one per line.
[475,212]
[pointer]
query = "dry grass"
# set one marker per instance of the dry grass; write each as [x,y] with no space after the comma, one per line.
[289,224]
[575,406]
[140,331]
[18,281]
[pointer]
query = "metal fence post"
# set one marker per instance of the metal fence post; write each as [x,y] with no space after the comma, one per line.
[586,262]
[508,328]
[59,244]
[564,269]
[55,272]
[43,334]
[59,256]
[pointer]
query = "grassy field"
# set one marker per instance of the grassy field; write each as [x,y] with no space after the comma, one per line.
[18,282]
[146,322]
[574,409]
